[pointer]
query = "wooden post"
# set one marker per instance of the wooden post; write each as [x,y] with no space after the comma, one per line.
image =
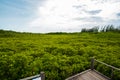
[92,63]
[42,75]
[112,73]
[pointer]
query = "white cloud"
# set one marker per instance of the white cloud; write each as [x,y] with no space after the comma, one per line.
[60,15]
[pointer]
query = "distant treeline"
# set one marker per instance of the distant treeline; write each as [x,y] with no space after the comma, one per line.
[108,28]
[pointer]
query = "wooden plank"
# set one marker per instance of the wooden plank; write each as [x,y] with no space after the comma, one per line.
[91,75]
[88,75]
[97,76]
[70,78]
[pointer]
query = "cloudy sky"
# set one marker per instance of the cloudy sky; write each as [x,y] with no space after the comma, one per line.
[57,15]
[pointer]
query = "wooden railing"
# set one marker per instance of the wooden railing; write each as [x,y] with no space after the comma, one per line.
[41,76]
[112,67]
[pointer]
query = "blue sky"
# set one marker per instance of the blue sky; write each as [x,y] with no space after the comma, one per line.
[57,15]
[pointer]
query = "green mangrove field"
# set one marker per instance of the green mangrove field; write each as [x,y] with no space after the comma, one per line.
[59,55]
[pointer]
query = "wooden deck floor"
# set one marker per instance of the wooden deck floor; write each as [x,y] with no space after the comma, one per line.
[89,75]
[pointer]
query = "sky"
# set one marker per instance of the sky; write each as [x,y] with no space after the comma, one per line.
[43,16]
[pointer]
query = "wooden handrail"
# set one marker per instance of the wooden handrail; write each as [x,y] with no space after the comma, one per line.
[112,67]
[41,75]
[108,65]
[31,77]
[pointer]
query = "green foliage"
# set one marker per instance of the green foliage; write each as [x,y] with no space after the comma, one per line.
[59,55]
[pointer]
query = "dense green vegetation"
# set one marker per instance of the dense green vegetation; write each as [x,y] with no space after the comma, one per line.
[58,55]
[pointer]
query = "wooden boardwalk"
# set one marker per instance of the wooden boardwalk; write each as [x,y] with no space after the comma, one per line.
[92,74]
[89,75]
